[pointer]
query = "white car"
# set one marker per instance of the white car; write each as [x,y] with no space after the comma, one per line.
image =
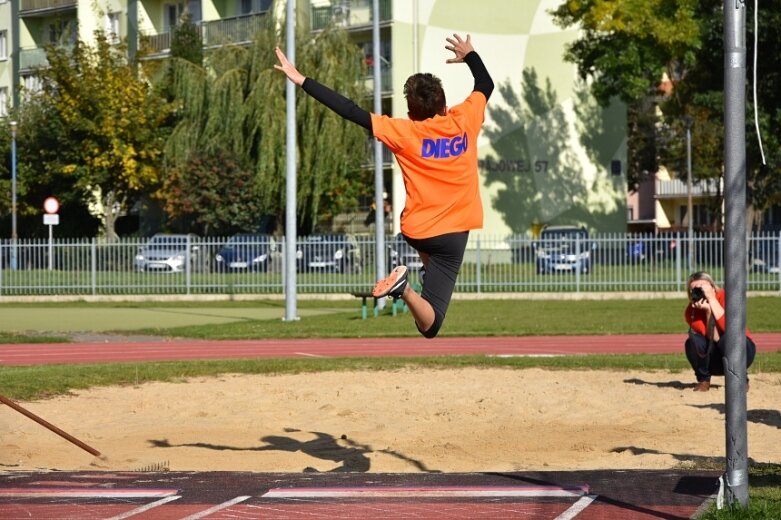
[166,253]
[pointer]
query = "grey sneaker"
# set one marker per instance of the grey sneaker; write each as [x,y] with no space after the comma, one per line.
[393,285]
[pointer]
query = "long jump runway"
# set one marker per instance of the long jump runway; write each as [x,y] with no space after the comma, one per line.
[581,495]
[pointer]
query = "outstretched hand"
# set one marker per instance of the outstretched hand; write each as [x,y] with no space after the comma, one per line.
[290,71]
[459,47]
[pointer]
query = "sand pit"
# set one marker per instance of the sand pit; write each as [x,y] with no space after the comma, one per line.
[396,421]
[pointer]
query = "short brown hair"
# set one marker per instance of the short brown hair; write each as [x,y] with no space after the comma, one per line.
[425,96]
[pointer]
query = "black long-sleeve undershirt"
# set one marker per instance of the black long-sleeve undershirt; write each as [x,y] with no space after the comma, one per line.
[347,108]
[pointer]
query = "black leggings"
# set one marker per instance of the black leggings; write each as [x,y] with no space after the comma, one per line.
[710,362]
[445,254]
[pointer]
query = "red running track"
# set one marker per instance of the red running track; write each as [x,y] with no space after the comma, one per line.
[174,350]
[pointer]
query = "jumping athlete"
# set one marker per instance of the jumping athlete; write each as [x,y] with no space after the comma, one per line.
[436,149]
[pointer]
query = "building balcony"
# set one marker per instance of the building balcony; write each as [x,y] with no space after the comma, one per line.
[32,58]
[386,77]
[44,7]
[350,14]
[676,188]
[237,30]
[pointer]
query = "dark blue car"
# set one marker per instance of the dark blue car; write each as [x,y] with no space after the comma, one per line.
[246,252]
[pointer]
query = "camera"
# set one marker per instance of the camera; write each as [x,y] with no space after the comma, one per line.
[697,294]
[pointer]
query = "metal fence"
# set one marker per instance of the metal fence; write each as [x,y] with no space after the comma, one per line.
[340,264]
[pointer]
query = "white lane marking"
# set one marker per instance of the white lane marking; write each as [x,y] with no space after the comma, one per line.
[407,492]
[308,354]
[145,508]
[577,507]
[86,493]
[216,508]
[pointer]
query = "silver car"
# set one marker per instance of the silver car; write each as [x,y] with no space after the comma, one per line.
[166,253]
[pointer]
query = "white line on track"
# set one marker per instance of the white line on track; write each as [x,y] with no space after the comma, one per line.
[85,493]
[144,508]
[308,354]
[577,507]
[216,508]
[422,492]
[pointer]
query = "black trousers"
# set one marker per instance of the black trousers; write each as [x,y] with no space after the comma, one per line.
[445,255]
[708,362]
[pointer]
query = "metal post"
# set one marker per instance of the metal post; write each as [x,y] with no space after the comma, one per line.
[51,247]
[290,171]
[736,477]
[690,210]
[14,235]
[132,31]
[379,188]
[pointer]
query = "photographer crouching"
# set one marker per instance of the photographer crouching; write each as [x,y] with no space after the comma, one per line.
[705,316]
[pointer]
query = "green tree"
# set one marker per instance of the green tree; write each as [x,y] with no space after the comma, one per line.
[186,41]
[700,96]
[625,48]
[212,194]
[109,137]
[235,104]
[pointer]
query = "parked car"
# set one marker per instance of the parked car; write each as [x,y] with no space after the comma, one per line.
[401,253]
[166,253]
[246,252]
[563,249]
[336,253]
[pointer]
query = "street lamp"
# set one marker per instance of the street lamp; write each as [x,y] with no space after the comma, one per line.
[13,197]
[688,121]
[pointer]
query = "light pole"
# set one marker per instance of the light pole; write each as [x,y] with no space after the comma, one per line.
[688,121]
[13,197]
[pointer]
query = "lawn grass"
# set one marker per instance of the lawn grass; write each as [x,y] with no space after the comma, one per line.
[486,318]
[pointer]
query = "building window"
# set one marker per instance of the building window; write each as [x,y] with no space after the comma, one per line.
[254,6]
[3,101]
[3,45]
[245,6]
[112,26]
[172,13]
[62,32]
[32,84]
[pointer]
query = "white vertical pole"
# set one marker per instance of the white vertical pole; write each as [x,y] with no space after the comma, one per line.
[379,184]
[51,247]
[290,172]
[736,476]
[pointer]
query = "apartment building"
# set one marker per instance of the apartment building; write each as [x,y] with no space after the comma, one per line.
[540,163]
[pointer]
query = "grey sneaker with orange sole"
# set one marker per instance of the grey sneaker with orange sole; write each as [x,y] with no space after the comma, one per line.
[393,285]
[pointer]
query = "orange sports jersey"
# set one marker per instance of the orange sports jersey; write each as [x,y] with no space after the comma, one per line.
[438,160]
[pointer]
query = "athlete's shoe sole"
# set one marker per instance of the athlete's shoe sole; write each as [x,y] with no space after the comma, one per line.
[393,285]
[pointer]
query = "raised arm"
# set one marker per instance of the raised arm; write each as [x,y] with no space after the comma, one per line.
[343,106]
[465,53]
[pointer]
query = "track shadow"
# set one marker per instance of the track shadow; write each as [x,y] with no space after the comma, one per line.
[759,416]
[699,460]
[351,455]
[606,499]
[678,385]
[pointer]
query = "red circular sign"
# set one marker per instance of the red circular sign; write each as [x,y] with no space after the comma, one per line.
[51,206]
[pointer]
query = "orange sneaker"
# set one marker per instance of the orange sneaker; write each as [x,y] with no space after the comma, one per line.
[392,286]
